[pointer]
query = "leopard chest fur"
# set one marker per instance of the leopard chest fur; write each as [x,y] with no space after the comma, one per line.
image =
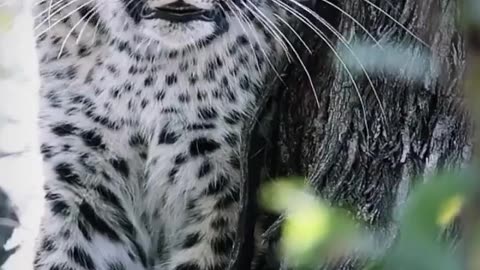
[149,135]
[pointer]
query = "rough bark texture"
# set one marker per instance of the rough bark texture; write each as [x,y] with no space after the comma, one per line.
[367,168]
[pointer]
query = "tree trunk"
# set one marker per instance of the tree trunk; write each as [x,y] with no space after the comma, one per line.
[365,159]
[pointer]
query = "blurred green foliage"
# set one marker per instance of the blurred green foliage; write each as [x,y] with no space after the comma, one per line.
[314,232]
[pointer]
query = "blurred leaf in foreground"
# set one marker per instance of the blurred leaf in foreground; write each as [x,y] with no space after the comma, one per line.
[312,232]
[431,208]
[405,60]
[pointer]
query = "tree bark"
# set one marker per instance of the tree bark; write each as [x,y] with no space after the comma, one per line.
[368,167]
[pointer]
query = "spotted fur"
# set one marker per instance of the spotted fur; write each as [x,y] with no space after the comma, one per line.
[141,125]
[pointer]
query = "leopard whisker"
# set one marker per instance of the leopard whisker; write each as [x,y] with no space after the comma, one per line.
[294,32]
[397,22]
[273,31]
[240,22]
[250,26]
[309,77]
[322,36]
[56,12]
[351,18]
[86,23]
[342,39]
[62,47]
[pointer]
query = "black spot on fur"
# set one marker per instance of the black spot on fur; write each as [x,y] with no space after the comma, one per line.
[234,161]
[233,118]
[245,83]
[159,96]
[64,129]
[191,204]
[144,103]
[227,200]
[81,257]
[102,120]
[97,223]
[173,54]
[171,175]
[225,82]
[121,166]
[47,244]
[192,79]
[109,197]
[243,59]
[221,245]
[171,79]
[191,240]
[207,113]
[115,93]
[93,140]
[140,253]
[106,176]
[170,110]
[201,126]
[84,230]
[219,223]
[65,174]
[51,196]
[184,66]
[60,207]
[184,98]
[231,139]
[210,74]
[218,186]
[83,51]
[46,151]
[201,95]
[133,70]
[230,95]
[137,140]
[148,81]
[167,137]
[242,40]
[112,69]
[203,146]
[180,159]
[205,169]
[56,40]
